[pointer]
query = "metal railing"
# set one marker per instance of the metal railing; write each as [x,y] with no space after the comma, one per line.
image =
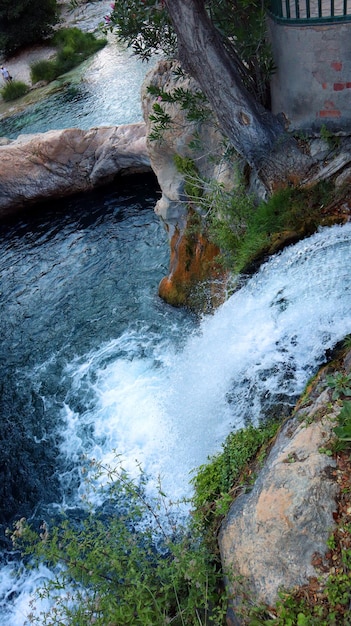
[307,11]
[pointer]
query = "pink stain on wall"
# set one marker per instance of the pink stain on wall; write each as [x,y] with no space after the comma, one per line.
[336,65]
[329,113]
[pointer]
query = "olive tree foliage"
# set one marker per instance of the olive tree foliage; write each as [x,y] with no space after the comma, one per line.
[23,22]
[222,45]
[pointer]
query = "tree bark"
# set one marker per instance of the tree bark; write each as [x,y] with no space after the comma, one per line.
[255,133]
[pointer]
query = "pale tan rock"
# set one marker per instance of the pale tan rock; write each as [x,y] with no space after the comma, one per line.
[271,535]
[62,162]
[181,138]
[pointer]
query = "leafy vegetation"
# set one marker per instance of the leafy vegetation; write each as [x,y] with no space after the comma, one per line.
[245,231]
[132,561]
[193,103]
[340,384]
[217,481]
[74,46]
[187,167]
[129,562]
[25,22]
[13,90]
[145,26]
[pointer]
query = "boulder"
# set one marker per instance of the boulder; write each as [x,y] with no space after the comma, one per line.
[275,536]
[63,162]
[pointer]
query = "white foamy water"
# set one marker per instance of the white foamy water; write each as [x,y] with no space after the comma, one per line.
[170,408]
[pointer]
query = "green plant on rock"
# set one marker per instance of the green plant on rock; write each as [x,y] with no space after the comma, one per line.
[330,138]
[343,429]
[340,383]
[13,90]
[128,562]
[193,102]
[245,232]
[161,121]
[214,481]
[193,183]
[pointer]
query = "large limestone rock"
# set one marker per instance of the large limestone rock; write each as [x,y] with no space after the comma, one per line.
[203,144]
[275,536]
[199,140]
[62,162]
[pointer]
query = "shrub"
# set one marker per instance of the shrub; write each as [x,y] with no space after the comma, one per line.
[23,22]
[244,232]
[73,46]
[13,90]
[42,70]
[214,481]
[130,562]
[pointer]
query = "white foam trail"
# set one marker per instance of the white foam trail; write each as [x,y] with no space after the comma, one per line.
[18,583]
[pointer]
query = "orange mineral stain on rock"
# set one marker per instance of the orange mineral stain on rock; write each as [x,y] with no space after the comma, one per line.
[192,262]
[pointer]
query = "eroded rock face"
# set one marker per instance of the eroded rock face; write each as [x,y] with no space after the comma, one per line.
[62,162]
[204,145]
[274,536]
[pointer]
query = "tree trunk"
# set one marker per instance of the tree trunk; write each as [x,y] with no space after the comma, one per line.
[255,133]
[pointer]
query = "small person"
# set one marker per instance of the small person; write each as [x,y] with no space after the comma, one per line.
[6,74]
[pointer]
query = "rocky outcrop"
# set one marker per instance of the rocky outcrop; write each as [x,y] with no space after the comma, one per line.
[63,162]
[203,144]
[275,536]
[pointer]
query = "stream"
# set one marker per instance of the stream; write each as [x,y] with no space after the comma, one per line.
[93,363]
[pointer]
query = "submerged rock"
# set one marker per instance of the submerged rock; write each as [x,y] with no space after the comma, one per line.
[63,162]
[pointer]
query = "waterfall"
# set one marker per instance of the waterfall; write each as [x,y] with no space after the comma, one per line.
[94,363]
[170,408]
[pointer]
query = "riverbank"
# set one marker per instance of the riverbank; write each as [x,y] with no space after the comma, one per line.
[89,17]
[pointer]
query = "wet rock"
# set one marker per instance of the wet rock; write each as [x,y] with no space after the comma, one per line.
[63,162]
[192,140]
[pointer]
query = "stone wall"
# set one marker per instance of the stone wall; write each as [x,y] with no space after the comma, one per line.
[312,82]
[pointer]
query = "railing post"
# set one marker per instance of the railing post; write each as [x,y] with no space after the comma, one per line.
[322,11]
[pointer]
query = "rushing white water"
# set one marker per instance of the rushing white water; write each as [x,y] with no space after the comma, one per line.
[169,407]
[170,410]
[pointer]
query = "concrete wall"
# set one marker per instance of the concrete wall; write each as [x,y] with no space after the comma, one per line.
[312,84]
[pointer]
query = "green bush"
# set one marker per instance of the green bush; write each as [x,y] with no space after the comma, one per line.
[23,23]
[245,232]
[214,480]
[73,46]
[13,90]
[131,562]
[42,70]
